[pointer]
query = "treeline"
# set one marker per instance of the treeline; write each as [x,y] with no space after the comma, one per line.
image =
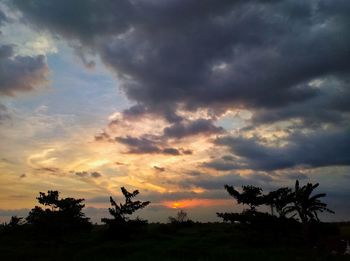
[286,204]
[58,216]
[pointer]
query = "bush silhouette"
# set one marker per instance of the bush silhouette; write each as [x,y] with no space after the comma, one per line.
[62,215]
[180,218]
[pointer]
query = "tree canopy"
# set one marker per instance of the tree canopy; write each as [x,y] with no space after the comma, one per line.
[61,215]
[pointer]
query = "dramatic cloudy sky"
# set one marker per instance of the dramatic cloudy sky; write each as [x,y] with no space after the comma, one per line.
[175,98]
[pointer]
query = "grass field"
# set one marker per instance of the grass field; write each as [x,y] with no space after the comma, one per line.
[210,241]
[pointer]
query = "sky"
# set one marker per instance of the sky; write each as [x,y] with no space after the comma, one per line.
[175,98]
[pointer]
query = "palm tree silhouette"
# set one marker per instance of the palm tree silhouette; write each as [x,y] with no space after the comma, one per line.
[306,205]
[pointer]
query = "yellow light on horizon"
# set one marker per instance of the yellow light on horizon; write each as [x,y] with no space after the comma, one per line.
[192,203]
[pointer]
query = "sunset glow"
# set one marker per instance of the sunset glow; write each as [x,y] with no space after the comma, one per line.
[193,203]
[174,99]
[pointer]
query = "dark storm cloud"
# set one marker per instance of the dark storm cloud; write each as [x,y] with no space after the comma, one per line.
[82,19]
[316,149]
[331,106]
[20,73]
[281,59]
[219,53]
[201,126]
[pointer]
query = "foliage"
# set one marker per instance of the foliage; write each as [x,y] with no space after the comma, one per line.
[307,205]
[63,215]
[121,226]
[201,241]
[279,200]
[15,221]
[284,200]
[121,211]
[251,195]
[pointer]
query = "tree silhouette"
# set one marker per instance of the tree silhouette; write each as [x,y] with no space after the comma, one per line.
[181,218]
[63,215]
[251,196]
[279,200]
[15,221]
[307,205]
[122,211]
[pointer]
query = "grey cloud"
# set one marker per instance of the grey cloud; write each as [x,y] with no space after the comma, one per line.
[103,136]
[85,174]
[14,212]
[331,106]
[99,199]
[79,19]
[161,169]
[168,112]
[139,145]
[260,55]
[183,129]
[3,17]
[119,163]
[20,73]
[316,149]
[171,151]
[135,111]
[144,145]
[49,169]
[95,174]
[222,165]
[82,174]
[4,114]
[210,182]
[158,197]
[225,163]
[186,152]
[296,176]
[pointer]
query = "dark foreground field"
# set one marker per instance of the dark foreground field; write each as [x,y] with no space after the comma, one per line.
[171,242]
